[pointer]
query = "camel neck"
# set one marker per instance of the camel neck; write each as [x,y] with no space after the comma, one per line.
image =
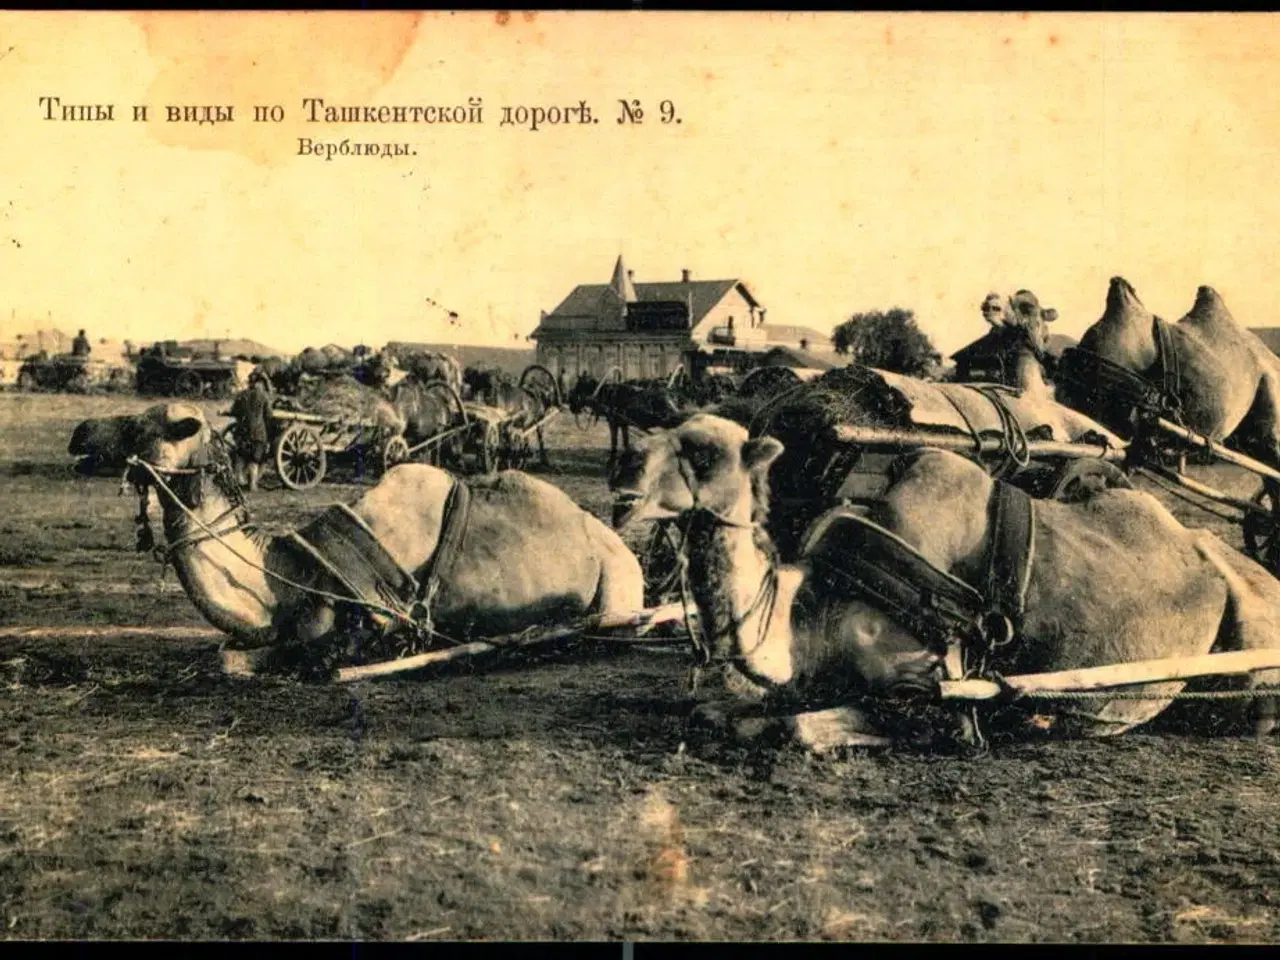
[1028,375]
[740,603]
[224,575]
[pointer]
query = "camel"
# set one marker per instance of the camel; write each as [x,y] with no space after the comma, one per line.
[1110,579]
[814,471]
[272,591]
[1215,375]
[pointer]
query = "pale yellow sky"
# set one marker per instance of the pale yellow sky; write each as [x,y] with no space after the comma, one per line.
[836,162]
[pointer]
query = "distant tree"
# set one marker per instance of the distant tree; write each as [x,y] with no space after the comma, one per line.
[888,340]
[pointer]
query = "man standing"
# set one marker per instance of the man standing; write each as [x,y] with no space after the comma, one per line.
[250,411]
[80,345]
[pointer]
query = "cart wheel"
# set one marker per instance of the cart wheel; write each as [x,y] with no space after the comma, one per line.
[188,384]
[395,450]
[27,381]
[1082,478]
[1262,534]
[490,448]
[300,457]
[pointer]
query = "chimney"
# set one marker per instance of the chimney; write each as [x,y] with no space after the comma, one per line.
[631,275]
[684,276]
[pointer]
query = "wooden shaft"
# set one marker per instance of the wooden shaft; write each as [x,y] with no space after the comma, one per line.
[1115,675]
[1219,451]
[245,662]
[879,436]
[1212,493]
[99,633]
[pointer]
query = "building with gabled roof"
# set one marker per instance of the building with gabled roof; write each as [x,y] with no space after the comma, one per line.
[981,360]
[647,330]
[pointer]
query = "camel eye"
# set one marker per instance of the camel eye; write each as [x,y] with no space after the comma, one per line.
[701,459]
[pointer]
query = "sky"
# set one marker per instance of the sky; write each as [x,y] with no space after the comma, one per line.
[834,162]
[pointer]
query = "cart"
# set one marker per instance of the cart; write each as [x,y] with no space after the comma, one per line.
[837,463]
[304,442]
[1161,444]
[168,372]
[68,373]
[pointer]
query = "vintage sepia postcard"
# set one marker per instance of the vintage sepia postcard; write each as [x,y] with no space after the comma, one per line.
[639,476]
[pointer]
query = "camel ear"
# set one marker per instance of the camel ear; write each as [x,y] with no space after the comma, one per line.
[759,453]
[176,430]
[1050,315]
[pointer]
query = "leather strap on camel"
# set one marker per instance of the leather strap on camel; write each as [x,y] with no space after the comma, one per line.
[348,550]
[1104,381]
[938,607]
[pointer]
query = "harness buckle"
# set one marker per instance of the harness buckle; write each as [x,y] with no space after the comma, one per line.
[997,629]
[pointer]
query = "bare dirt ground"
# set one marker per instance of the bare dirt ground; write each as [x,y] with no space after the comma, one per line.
[561,796]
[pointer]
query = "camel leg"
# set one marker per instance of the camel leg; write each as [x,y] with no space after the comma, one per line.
[822,731]
[621,586]
[1250,621]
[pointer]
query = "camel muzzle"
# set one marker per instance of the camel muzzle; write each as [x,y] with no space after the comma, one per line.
[625,506]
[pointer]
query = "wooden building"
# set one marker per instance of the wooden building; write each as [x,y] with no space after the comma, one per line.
[647,330]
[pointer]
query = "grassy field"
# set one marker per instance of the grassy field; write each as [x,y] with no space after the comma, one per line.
[564,795]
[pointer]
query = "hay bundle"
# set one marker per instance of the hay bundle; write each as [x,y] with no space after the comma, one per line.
[814,463]
[346,399]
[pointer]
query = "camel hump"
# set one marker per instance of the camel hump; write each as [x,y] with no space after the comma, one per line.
[1209,308]
[1123,303]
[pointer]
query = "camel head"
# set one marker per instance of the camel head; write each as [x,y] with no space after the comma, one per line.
[174,444]
[707,463]
[169,436]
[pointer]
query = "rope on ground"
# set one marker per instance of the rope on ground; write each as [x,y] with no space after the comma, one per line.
[1133,695]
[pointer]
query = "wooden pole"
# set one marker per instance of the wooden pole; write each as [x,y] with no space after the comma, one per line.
[878,436]
[244,663]
[1219,451]
[1206,491]
[614,621]
[101,633]
[1117,675]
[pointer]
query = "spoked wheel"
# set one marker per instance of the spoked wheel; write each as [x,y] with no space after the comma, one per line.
[395,450]
[1080,479]
[300,457]
[1262,532]
[188,384]
[490,447]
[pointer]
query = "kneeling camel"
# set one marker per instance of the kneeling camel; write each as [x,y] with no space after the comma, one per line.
[1111,579]
[472,555]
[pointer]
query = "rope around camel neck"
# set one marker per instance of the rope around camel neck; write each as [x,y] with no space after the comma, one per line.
[215,535]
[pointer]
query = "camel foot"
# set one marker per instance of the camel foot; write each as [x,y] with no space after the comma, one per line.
[822,731]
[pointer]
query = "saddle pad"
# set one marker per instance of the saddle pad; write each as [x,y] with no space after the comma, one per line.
[853,553]
[934,405]
[344,540]
[847,549]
